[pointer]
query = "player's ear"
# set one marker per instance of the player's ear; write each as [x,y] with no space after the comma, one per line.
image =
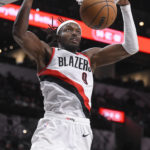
[58,38]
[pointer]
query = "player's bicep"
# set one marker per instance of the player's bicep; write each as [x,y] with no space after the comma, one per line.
[107,55]
[31,44]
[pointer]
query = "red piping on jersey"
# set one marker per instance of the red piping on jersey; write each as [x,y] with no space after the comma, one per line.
[61,76]
[85,56]
[53,52]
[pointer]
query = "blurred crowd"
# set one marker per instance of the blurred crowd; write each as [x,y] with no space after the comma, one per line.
[16,132]
[130,83]
[20,92]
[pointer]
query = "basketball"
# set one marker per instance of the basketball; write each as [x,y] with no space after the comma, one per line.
[98,14]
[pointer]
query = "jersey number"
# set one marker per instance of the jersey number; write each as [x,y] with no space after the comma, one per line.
[84,77]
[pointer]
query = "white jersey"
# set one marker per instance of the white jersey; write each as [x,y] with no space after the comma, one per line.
[67,83]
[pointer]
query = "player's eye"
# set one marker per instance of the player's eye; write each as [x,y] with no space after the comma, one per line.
[78,31]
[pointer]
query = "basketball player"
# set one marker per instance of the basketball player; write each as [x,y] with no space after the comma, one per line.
[66,78]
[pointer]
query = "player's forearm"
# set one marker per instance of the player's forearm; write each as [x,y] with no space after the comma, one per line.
[130,35]
[22,20]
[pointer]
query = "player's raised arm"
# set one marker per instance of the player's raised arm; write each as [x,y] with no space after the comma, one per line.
[113,53]
[26,39]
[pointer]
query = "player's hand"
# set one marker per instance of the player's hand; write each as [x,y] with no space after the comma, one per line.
[122,2]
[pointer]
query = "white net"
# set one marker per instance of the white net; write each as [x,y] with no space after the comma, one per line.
[4,2]
[79,1]
[116,1]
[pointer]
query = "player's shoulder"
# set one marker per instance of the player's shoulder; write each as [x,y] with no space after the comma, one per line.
[47,47]
[91,51]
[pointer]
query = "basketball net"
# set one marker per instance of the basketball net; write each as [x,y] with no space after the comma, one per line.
[80,1]
[4,2]
[116,1]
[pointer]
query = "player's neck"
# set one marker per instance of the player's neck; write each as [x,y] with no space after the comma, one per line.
[70,49]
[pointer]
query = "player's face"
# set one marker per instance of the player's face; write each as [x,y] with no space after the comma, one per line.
[70,37]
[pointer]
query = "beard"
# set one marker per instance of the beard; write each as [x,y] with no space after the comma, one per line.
[69,47]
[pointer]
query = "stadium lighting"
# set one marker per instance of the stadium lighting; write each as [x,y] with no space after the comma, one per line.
[5,49]
[24,131]
[37,9]
[112,115]
[141,23]
[11,47]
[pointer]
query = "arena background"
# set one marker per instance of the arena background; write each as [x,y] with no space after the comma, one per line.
[122,88]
